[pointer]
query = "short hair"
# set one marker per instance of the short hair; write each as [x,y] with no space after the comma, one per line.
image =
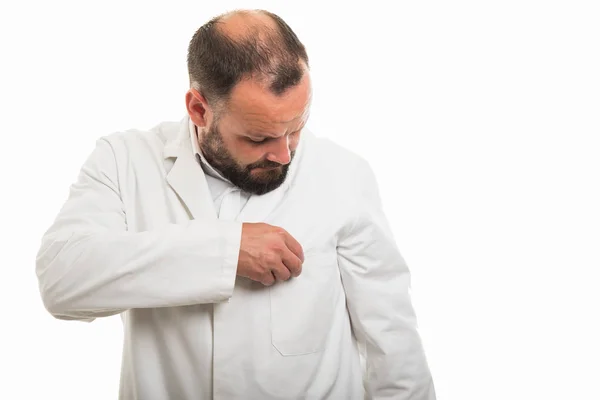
[217,62]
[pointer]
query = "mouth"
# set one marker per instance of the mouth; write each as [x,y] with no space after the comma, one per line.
[265,168]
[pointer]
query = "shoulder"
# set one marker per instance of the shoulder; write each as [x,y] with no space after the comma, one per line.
[142,141]
[335,162]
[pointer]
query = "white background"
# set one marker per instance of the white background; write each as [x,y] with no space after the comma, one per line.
[480,118]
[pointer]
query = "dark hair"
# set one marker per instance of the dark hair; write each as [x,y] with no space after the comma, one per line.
[216,62]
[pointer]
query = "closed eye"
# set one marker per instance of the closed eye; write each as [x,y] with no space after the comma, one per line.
[253,141]
[264,140]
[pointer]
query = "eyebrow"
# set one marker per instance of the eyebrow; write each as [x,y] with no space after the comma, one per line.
[268,136]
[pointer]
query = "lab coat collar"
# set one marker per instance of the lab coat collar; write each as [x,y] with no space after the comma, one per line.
[206,166]
[186,177]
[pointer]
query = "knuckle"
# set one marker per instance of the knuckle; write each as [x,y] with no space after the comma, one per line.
[280,231]
[271,258]
[277,246]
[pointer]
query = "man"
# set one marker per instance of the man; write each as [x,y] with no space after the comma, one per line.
[248,258]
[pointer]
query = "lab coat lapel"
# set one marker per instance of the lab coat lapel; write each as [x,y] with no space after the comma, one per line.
[186,177]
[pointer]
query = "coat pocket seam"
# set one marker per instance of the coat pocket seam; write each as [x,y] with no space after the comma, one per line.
[296,343]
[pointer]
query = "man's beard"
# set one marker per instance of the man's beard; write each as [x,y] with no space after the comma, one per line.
[214,150]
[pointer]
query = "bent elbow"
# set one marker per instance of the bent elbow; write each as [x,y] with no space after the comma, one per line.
[58,306]
[61,308]
[50,271]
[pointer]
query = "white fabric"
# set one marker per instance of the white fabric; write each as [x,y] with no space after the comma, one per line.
[139,236]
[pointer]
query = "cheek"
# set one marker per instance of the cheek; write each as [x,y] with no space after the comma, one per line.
[240,152]
[246,154]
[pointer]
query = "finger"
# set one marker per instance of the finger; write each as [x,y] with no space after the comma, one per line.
[292,263]
[268,279]
[293,245]
[281,272]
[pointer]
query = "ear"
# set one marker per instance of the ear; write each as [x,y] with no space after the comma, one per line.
[197,108]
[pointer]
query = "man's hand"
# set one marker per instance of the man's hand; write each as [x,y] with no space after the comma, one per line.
[268,253]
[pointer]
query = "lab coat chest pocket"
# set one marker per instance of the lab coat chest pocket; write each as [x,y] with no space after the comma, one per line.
[302,308]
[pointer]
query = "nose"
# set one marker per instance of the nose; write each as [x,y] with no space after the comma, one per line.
[280,151]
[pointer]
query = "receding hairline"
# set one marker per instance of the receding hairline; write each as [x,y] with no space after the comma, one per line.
[241,25]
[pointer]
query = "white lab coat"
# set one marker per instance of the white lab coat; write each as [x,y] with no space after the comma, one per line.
[139,236]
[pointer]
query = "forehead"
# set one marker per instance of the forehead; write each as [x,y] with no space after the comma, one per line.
[252,103]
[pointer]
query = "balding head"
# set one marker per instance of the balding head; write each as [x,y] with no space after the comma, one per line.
[244,44]
[242,24]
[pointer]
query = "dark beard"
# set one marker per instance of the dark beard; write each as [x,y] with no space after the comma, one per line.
[216,154]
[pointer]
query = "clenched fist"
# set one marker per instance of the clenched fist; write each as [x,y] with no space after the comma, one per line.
[268,253]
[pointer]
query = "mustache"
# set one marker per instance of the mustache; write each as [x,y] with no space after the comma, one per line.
[268,163]
[265,164]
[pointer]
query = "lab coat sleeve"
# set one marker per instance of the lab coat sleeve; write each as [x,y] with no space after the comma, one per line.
[376,281]
[89,265]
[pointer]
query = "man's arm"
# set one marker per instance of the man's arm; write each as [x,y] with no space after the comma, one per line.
[377,283]
[89,265]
